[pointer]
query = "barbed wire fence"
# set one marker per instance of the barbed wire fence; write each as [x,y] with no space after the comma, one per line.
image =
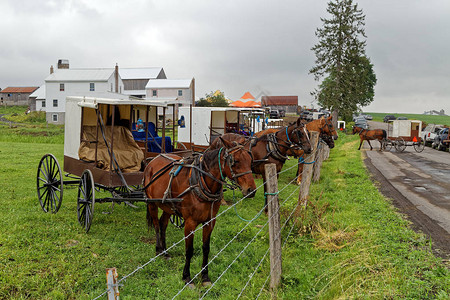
[307,172]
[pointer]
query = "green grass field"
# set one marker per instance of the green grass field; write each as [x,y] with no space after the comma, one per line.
[349,243]
[444,120]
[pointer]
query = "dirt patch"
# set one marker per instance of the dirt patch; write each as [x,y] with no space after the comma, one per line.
[420,221]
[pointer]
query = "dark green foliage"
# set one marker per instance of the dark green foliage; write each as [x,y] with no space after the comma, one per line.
[213,100]
[348,75]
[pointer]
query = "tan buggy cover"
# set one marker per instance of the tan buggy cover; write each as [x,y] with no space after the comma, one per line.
[127,153]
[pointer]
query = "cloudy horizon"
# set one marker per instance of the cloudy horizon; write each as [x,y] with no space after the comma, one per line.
[235,46]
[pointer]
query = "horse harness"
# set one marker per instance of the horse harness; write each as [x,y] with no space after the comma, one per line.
[273,148]
[196,176]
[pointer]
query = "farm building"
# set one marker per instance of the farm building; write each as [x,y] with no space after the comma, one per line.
[64,82]
[182,89]
[16,95]
[288,103]
[37,96]
[135,79]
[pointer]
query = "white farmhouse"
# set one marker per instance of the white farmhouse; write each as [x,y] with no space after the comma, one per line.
[182,89]
[65,82]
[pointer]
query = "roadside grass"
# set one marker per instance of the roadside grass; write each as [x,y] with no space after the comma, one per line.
[349,243]
[444,120]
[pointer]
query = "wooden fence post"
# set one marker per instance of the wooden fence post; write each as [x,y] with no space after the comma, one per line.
[320,157]
[111,282]
[274,225]
[307,170]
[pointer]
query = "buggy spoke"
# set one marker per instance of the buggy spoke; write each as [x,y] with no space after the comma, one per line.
[49,183]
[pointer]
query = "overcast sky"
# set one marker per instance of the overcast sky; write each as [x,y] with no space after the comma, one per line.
[235,46]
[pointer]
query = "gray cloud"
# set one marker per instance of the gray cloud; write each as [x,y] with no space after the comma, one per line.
[234,46]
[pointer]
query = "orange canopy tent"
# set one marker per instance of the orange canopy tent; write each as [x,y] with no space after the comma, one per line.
[247,100]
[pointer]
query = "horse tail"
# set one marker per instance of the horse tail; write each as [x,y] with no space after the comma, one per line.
[384,133]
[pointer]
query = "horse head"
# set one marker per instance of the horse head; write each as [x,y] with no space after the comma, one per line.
[237,166]
[327,131]
[299,137]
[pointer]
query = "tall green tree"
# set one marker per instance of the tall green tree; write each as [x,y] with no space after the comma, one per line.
[213,99]
[348,76]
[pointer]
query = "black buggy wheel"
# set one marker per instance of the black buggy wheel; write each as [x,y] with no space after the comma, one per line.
[400,144]
[49,183]
[177,221]
[387,145]
[86,200]
[419,146]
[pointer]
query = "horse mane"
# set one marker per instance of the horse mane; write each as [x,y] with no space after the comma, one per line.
[210,156]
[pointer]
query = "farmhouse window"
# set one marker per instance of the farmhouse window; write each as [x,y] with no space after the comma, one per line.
[61,87]
[55,102]
[92,87]
[43,103]
[55,117]
[155,93]
[180,92]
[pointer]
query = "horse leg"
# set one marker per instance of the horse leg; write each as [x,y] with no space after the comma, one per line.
[152,220]
[381,145]
[163,221]
[362,140]
[370,145]
[207,230]
[189,226]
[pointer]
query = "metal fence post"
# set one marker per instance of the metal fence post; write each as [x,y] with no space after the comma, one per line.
[111,282]
[274,225]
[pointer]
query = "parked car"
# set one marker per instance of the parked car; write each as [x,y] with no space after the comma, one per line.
[274,114]
[282,113]
[388,118]
[361,122]
[402,118]
[306,115]
[368,117]
[429,133]
[441,141]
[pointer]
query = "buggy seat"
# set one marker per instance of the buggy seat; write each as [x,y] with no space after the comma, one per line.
[154,141]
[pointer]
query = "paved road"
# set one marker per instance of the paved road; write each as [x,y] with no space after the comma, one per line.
[419,184]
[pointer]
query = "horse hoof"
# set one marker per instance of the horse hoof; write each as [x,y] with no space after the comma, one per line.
[167,257]
[191,286]
[206,283]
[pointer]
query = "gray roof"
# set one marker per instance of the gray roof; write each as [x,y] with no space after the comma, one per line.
[168,84]
[140,73]
[81,75]
[39,94]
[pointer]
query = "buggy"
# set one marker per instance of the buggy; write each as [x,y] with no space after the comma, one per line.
[106,145]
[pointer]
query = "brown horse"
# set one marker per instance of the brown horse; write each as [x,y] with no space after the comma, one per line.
[271,147]
[198,181]
[370,135]
[327,133]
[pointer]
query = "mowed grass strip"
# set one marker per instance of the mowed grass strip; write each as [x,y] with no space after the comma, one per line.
[349,243]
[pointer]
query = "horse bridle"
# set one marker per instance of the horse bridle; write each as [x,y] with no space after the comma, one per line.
[290,143]
[297,132]
[229,159]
